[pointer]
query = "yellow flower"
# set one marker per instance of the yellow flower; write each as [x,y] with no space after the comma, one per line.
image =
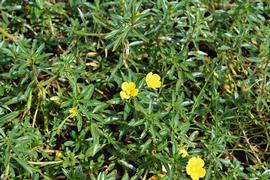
[58,154]
[73,112]
[183,152]
[195,168]
[153,80]
[128,90]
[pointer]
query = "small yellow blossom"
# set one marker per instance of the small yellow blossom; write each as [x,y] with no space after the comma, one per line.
[195,168]
[183,152]
[58,154]
[128,90]
[153,80]
[73,112]
[137,13]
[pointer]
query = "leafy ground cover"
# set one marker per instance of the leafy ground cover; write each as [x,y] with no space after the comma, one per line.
[150,89]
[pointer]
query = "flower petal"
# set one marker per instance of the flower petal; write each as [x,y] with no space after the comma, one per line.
[131,86]
[189,169]
[201,172]
[124,95]
[192,160]
[196,161]
[183,153]
[148,76]
[158,84]
[156,77]
[134,92]
[194,177]
[200,162]
[125,86]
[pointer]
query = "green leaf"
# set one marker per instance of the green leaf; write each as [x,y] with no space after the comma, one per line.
[102,176]
[125,177]
[146,145]
[95,133]
[8,117]
[25,165]
[88,91]
[93,150]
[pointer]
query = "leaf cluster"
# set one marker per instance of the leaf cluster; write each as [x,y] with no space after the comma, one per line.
[62,64]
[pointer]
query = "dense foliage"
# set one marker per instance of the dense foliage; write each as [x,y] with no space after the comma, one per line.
[62,65]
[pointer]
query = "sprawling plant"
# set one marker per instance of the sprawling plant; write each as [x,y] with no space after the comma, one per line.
[126,89]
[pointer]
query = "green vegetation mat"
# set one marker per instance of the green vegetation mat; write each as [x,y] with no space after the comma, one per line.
[134,89]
